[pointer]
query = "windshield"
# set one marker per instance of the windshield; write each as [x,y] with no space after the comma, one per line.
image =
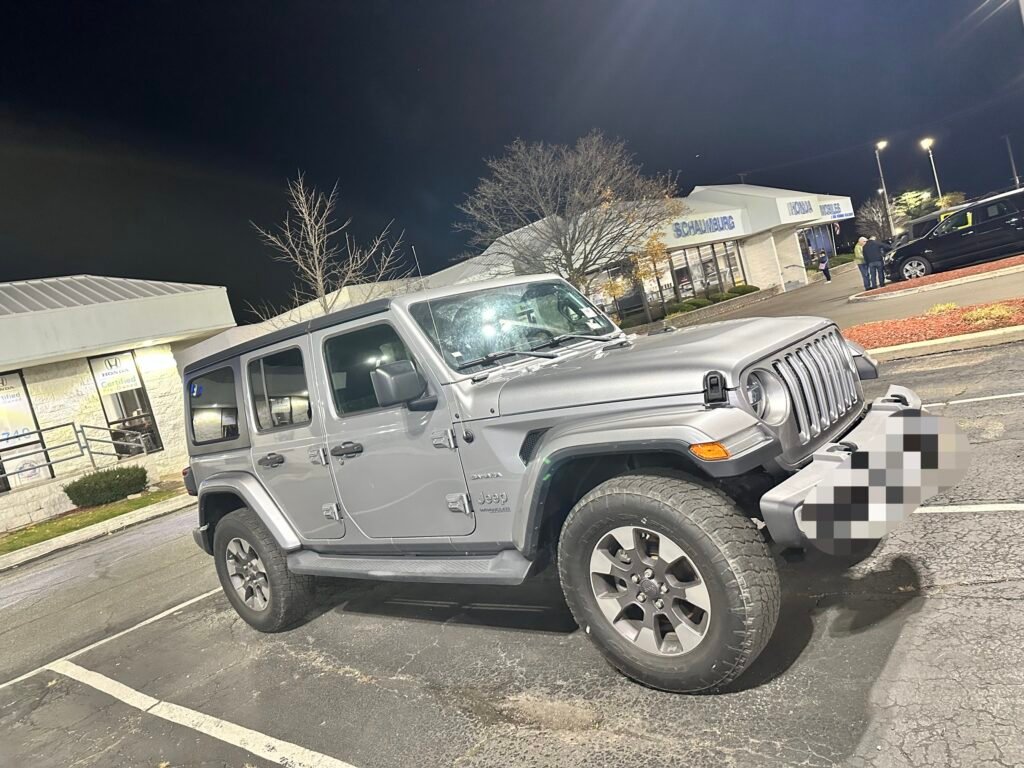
[470,326]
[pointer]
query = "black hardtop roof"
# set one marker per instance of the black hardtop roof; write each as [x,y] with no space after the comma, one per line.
[291,332]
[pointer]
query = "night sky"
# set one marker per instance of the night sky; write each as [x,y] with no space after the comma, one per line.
[139,139]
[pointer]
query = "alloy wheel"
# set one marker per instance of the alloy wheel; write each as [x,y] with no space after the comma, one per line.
[650,590]
[248,574]
[914,268]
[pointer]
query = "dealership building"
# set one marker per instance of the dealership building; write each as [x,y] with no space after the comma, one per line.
[89,379]
[723,236]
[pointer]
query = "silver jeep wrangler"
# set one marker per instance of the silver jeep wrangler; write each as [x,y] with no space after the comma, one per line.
[474,433]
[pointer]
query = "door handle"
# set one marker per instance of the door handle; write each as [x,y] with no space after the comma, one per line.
[965,234]
[271,460]
[347,450]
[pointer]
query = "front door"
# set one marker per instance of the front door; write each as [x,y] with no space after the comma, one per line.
[398,471]
[952,242]
[288,450]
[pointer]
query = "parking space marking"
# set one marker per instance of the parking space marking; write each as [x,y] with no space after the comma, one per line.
[975,399]
[949,508]
[115,636]
[267,747]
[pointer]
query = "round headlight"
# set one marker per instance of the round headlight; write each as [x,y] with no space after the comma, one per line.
[767,396]
[756,396]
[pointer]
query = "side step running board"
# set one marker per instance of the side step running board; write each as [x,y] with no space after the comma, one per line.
[508,567]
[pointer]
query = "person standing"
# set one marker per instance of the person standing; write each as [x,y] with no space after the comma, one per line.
[858,259]
[823,266]
[874,256]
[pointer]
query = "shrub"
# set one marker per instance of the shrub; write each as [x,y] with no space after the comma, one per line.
[632,322]
[106,486]
[717,297]
[743,290]
[940,309]
[699,303]
[994,315]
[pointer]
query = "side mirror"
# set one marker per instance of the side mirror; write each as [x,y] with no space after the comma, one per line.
[399,382]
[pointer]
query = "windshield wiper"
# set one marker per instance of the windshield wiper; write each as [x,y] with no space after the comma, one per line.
[559,340]
[493,357]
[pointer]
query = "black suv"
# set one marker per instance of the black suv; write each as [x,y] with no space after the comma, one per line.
[988,229]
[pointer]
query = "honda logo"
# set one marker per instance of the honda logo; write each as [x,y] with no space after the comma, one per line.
[3,382]
[112,363]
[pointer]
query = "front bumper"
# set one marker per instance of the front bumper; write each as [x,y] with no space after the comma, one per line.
[839,472]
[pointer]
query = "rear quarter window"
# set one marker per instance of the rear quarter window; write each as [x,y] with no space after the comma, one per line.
[213,407]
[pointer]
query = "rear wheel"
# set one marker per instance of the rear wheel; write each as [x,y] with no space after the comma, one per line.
[914,267]
[669,578]
[254,574]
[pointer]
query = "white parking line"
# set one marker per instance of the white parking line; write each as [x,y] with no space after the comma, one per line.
[949,508]
[267,747]
[975,399]
[122,633]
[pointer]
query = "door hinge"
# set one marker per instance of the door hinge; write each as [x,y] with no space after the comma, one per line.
[319,456]
[332,511]
[459,502]
[444,439]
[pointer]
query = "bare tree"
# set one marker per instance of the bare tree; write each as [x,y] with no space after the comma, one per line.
[575,211]
[872,220]
[324,255]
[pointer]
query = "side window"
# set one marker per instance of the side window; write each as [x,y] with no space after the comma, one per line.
[351,357]
[994,210]
[280,395]
[213,406]
[955,221]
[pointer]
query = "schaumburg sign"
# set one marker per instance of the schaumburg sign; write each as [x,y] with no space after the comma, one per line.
[708,225]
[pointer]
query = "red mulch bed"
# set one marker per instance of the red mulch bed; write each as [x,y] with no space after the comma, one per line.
[942,277]
[887,333]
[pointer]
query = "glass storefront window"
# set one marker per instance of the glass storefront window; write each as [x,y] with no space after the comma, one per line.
[708,269]
[125,404]
[23,458]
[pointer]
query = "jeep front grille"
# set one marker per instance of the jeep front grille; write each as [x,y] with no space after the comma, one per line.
[822,382]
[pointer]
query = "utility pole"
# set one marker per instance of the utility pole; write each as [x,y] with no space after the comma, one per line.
[743,178]
[1013,165]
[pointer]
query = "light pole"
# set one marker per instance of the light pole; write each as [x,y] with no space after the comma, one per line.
[879,146]
[926,145]
[1013,165]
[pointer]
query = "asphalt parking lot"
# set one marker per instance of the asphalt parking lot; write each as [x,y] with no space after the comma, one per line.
[909,656]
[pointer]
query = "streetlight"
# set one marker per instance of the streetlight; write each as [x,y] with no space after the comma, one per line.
[879,146]
[926,145]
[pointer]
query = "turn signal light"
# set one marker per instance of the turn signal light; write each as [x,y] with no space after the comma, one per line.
[709,451]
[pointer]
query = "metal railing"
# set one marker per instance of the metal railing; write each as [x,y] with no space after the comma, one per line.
[77,444]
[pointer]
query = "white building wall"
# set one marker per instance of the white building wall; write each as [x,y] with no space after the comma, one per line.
[760,260]
[790,258]
[65,392]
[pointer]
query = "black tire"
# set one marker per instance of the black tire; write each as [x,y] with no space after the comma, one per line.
[723,544]
[926,267]
[289,594]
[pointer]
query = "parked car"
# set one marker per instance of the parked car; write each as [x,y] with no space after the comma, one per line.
[474,433]
[987,229]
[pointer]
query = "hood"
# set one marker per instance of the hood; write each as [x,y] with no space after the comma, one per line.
[659,365]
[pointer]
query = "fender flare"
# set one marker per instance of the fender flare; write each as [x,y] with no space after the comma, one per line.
[663,430]
[256,498]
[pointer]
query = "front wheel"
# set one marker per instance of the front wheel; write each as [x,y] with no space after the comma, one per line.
[254,574]
[915,267]
[672,582]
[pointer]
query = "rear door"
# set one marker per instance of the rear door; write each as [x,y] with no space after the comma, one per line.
[998,228]
[398,472]
[289,454]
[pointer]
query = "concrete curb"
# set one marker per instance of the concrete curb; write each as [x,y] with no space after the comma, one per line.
[936,286]
[950,343]
[44,548]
